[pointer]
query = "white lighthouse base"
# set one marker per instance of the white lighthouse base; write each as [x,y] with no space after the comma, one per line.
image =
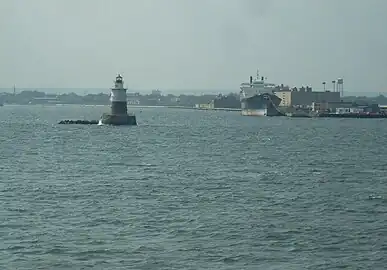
[119,119]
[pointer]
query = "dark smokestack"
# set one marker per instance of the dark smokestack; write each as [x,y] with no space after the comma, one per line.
[251,79]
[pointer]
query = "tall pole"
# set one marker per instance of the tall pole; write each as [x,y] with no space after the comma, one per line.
[342,89]
[324,85]
[340,86]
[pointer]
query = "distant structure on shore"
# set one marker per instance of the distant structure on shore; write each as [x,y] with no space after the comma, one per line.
[306,96]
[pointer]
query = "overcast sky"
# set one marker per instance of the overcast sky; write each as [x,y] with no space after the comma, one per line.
[198,44]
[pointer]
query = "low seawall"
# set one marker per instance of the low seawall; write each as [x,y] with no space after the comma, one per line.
[79,122]
[352,115]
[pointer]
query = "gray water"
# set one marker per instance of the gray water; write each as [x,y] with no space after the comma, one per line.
[190,190]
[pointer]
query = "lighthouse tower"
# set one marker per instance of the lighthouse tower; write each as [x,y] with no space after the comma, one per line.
[118,97]
[119,110]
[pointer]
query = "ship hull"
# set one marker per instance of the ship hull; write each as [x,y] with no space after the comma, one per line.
[261,105]
[247,112]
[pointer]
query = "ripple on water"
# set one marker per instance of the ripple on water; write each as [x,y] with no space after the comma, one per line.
[190,190]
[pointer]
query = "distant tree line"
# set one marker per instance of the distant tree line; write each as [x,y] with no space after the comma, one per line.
[229,100]
[37,97]
[380,99]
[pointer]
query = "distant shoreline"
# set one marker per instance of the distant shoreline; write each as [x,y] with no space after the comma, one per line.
[189,92]
[131,106]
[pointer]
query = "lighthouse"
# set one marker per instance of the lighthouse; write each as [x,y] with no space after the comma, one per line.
[119,109]
[118,97]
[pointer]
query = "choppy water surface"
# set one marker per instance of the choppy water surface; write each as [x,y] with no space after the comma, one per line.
[190,190]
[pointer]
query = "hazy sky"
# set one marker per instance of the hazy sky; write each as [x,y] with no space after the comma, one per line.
[198,44]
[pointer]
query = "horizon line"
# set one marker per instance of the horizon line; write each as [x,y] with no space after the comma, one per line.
[152,89]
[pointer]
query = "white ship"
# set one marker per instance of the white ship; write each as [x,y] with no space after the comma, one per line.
[258,99]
